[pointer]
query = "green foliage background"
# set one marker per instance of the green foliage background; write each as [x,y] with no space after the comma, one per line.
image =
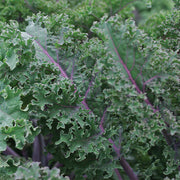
[97,80]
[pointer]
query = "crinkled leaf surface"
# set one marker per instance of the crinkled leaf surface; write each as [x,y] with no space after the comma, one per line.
[118,92]
[13,120]
[11,59]
[33,171]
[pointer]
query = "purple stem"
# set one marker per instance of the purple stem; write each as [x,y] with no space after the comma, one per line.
[130,76]
[149,80]
[102,121]
[123,162]
[63,73]
[125,67]
[85,105]
[86,93]
[118,174]
[128,169]
[52,60]
[164,132]
[89,87]
[141,70]
[36,156]
[9,151]
[38,150]
[116,149]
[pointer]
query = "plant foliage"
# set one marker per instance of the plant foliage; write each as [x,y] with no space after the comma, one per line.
[86,93]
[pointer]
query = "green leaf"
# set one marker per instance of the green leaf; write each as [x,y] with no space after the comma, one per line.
[33,171]
[13,120]
[11,58]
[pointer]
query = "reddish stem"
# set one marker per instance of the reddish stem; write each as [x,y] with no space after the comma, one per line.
[63,73]
[102,121]
[116,149]
[128,169]
[129,74]
[10,151]
[123,162]
[118,174]
[89,87]
[84,102]
[149,80]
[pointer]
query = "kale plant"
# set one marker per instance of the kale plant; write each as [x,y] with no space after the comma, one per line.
[89,94]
